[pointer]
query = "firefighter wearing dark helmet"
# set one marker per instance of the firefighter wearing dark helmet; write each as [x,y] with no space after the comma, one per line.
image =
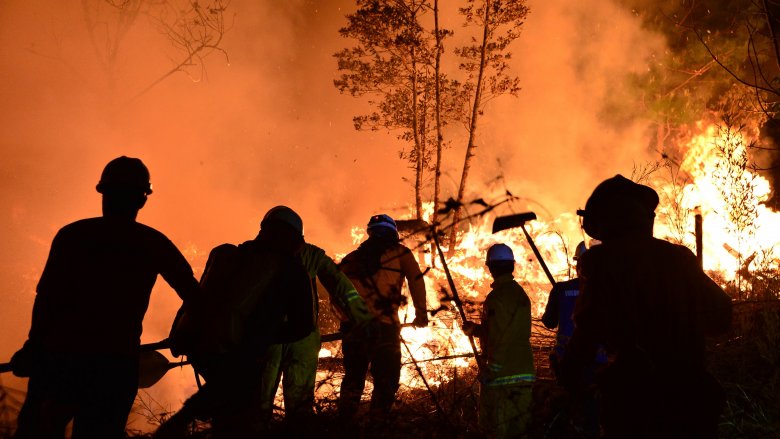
[651,305]
[294,363]
[83,346]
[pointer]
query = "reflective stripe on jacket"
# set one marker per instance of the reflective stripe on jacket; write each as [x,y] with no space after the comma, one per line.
[512,379]
[338,285]
[505,333]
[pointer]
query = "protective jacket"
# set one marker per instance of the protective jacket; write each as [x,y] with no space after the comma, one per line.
[297,361]
[320,266]
[381,286]
[505,334]
[250,296]
[648,300]
[651,305]
[95,288]
[558,313]
[82,353]
[560,306]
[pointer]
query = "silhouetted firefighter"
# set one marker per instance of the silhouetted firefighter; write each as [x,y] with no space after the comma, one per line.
[83,346]
[295,363]
[651,305]
[558,314]
[251,295]
[378,268]
[505,332]
[255,319]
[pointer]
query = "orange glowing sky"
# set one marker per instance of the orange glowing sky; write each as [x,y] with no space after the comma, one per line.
[269,128]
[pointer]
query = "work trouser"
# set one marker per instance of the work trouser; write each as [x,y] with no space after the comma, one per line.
[95,391]
[505,411]
[295,365]
[375,346]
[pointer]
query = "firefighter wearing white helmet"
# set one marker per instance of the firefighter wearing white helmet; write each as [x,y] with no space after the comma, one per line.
[295,364]
[504,333]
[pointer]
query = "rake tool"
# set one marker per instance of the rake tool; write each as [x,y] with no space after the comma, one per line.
[518,220]
[418,226]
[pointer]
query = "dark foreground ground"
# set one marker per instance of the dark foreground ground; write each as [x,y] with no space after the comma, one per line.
[746,361]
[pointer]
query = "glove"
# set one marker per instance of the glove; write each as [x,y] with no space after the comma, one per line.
[358,311]
[24,360]
[469,327]
[420,321]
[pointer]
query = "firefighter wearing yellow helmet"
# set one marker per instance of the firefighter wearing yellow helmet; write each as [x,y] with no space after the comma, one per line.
[504,333]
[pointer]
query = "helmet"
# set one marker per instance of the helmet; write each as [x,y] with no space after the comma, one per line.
[285,215]
[382,220]
[581,247]
[125,173]
[619,207]
[499,252]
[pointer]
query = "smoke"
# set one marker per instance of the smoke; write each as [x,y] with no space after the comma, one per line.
[265,126]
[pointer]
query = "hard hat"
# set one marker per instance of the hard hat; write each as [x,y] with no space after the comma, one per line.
[125,173]
[499,252]
[581,247]
[618,206]
[285,215]
[382,220]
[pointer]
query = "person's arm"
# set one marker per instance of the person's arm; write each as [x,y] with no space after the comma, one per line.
[24,361]
[416,282]
[177,272]
[479,330]
[338,285]
[718,308]
[714,305]
[552,310]
[45,298]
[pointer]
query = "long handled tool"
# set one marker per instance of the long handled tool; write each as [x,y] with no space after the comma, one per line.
[152,364]
[434,398]
[419,225]
[519,220]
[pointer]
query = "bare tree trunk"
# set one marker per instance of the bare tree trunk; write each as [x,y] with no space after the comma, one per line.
[418,146]
[475,109]
[100,26]
[437,169]
[417,143]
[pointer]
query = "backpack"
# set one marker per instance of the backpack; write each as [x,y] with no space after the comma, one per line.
[250,296]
